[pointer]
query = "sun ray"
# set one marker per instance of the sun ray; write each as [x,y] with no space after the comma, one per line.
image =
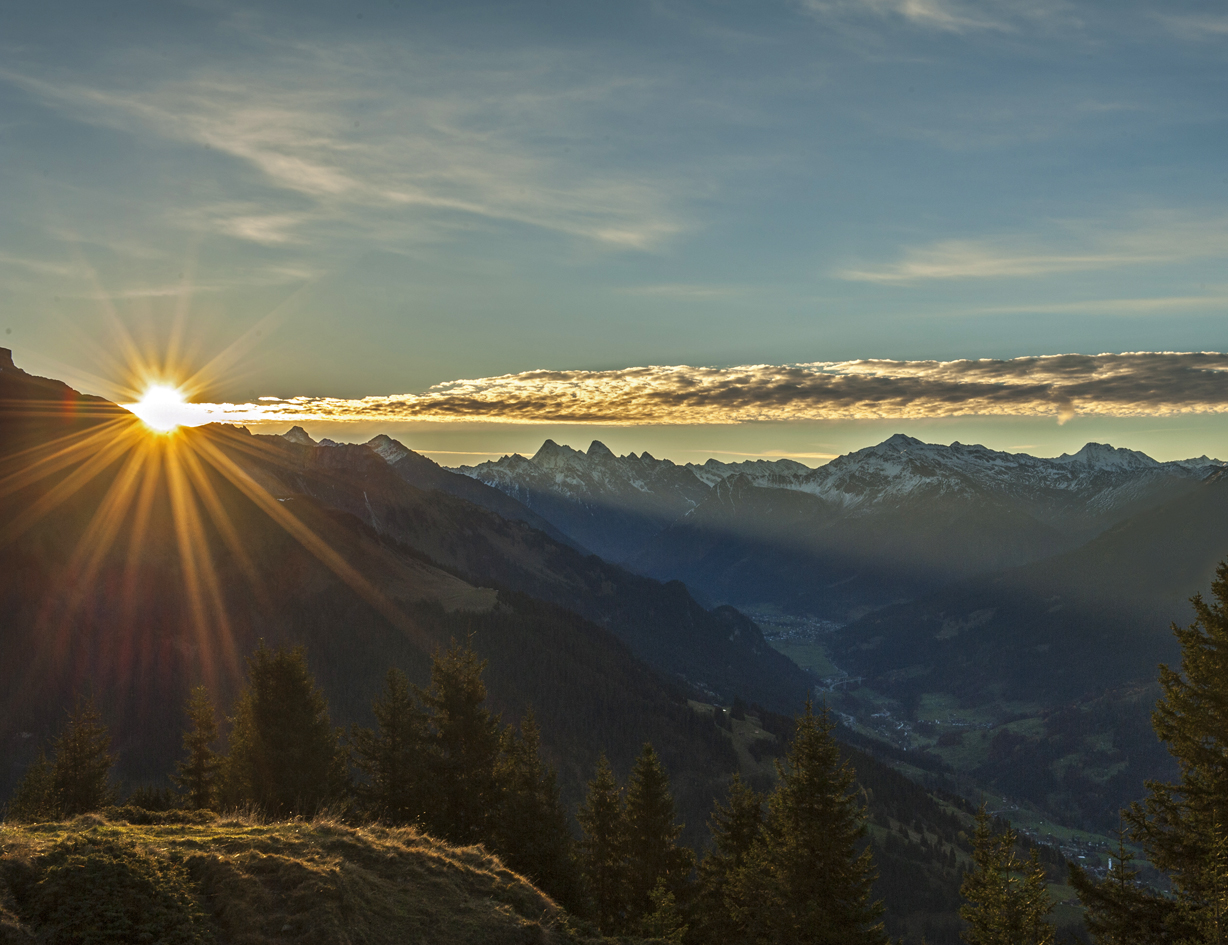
[221,520]
[140,527]
[64,452]
[307,538]
[65,489]
[204,594]
[95,542]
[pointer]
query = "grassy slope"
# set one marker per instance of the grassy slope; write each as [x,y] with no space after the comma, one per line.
[232,879]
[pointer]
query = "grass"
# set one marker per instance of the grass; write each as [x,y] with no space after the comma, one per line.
[189,879]
[809,656]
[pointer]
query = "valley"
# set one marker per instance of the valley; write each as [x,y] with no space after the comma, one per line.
[984,626]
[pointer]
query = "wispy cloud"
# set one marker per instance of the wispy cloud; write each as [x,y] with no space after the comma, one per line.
[316,124]
[1171,303]
[1197,28]
[1061,386]
[1153,239]
[949,16]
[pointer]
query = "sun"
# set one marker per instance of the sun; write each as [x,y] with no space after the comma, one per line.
[163,408]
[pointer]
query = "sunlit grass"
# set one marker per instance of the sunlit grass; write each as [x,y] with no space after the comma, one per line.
[234,878]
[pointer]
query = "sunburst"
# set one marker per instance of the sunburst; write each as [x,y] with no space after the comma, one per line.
[151,458]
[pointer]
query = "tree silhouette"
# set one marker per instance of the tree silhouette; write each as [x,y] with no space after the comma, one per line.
[463,749]
[735,828]
[804,879]
[1183,827]
[652,855]
[198,773]
[603,843]
[1000,908]
[393,757]
[34,800]
[82,765]
[285,756]
[531,831]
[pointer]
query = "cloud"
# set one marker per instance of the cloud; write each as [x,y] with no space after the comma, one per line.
[1150,239]
[1172,303]
[948,16]
[1060,386]
[362,135]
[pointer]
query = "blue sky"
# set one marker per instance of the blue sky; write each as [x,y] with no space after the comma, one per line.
[348,200]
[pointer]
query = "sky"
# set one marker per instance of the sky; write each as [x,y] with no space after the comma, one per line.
[703,229]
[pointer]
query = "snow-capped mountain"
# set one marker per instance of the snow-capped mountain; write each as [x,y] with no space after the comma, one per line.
[879,524]
[610,504]
[1078,494]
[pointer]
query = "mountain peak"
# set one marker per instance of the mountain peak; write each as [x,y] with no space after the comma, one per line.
[6,360]
[388,448]
[598,450]
[901,441]
[299,436]
[551,454]
[1104,456]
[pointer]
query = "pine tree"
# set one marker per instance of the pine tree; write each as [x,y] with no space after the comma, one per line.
[1003,909]
[734,828]
[198,774]
[531,832]
[394,756]
[464,750]
[804,880]
[602,848]
[1182,826]
[285,756]
[82,765]
[1117,910]
[653,855]
[34,800]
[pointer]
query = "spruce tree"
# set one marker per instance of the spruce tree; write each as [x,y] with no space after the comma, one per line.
[198,773]
[1118,911]
[653,856]
[34,800]
[734,828]
[1002,908]
[1182,826]
[464,749]
[603,842]
[393,757]
[82,765]
[804,880]
[285,756]
[531,832]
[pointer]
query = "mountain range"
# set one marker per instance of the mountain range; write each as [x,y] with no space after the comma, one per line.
[883,524]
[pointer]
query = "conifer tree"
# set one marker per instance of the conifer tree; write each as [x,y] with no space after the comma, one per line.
[602,848]
[82,765]
[394,756]
[198,773]
[285,756]
[464,749]
[1118,911]
[804,881]
[531,831]
[34,800]
[1182,827]
[653,855]
[734,828]
[1003,909]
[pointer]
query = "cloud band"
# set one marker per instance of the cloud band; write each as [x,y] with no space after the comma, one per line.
[1060,386]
